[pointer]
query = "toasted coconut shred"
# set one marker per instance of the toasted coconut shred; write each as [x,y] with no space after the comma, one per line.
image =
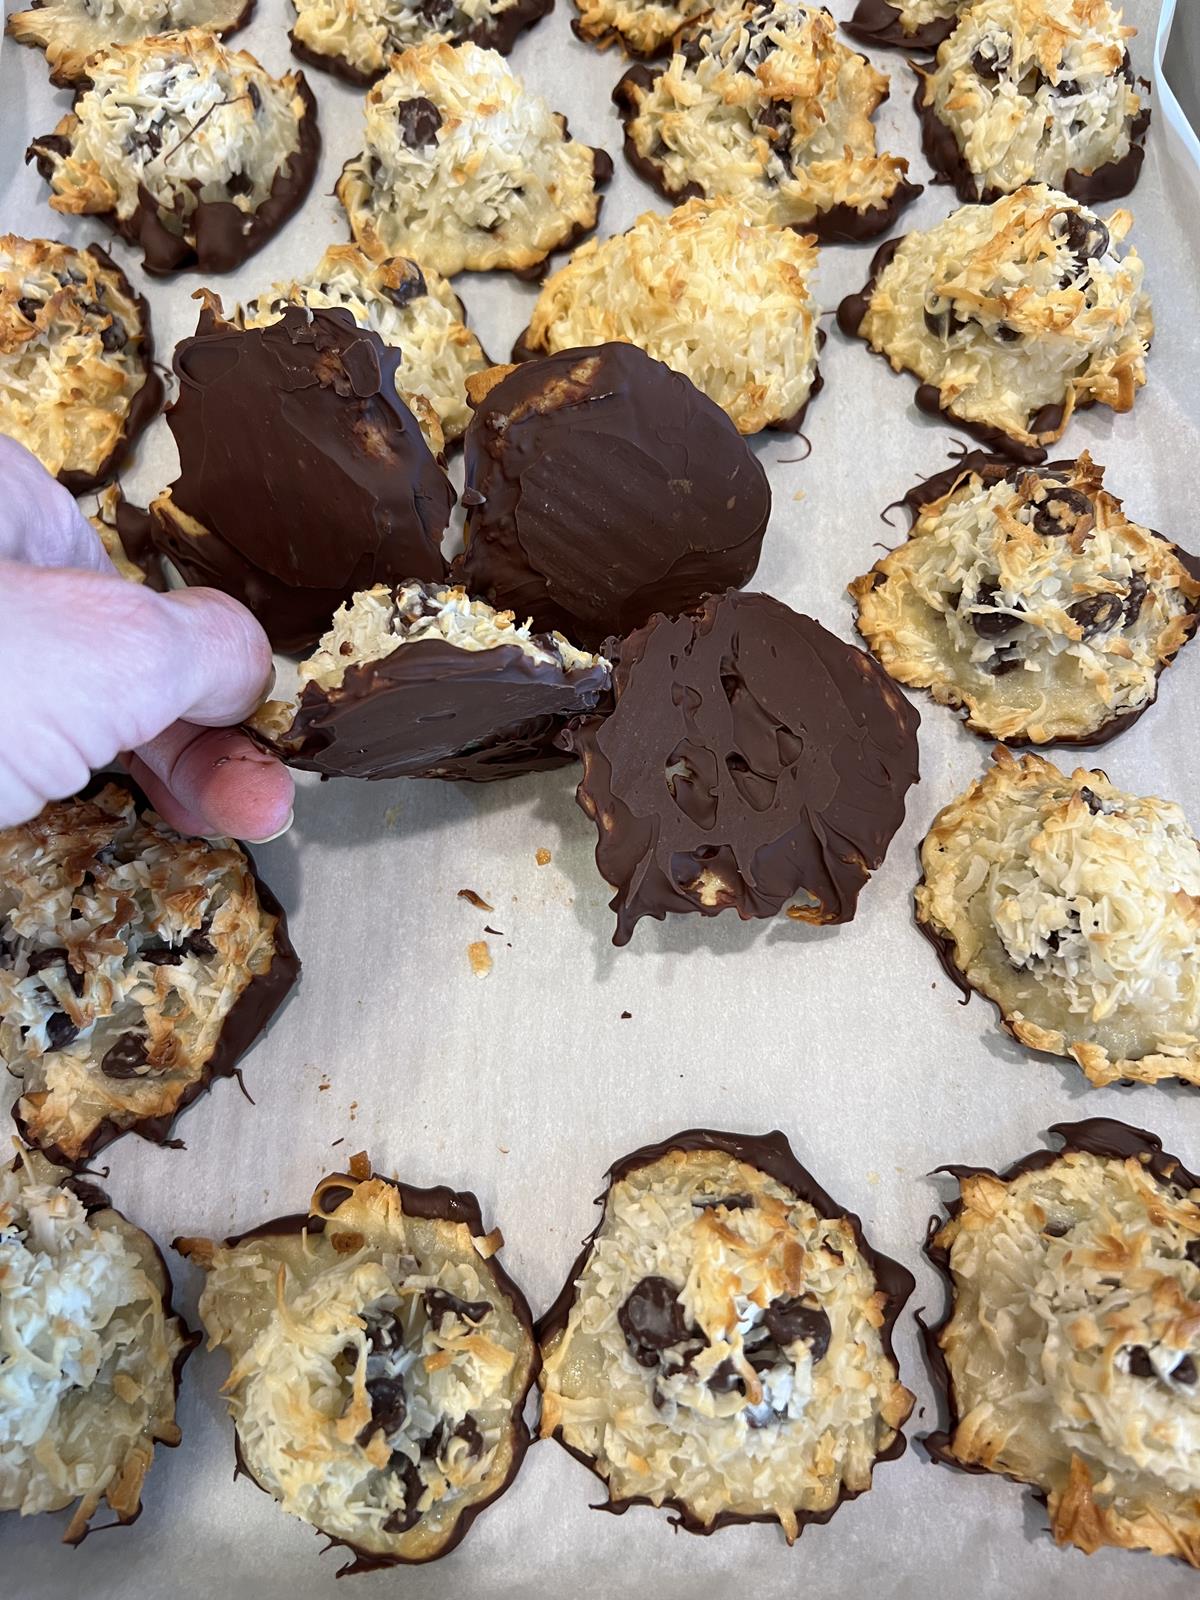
[464,167]
[379,1367]
[180,117]
[1009,308]
[644,27]
[1035,603]
[69,31]
[88,1351]
[123,949]
[765,105]
[715,295]
[365,35]
[409,307]
[1076,908]
[73,353]
[1035,89]
[379,621]
[723,1350]
[1073,1347]
[104,525]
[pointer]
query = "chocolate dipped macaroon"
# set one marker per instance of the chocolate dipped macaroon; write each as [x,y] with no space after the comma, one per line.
[1068,1359]
[602,487]
[135,967]
[356,39]
[1026,597]
[723,1345]
[303,475]
[69,31]
[381,1358]
[1071,905]
[420,681]
[751,760]
[914,25]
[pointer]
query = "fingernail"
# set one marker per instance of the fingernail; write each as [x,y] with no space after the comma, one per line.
[279,832]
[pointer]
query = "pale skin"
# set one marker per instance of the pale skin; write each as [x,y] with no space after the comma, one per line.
[94,669]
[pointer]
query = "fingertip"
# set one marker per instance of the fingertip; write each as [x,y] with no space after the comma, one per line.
[229,653]
[221,784]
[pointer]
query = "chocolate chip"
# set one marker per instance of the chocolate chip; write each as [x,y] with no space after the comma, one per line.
[651,1319]
[1193,1252]
[729,1202]
[1185,1371]
[114,337]
[1097,614]
[992,57]
[1007,335]
[1091,800]
[39,960]
[1065,86]
[125,1057]
[1056,1230]
[239,183]
[440,1304]
[726,1379]
[402,1520]
[789,1318]
[992,624]
[419,121]
[1086,237]
[389,1407]
[468,1431]
[60,1031]
[1134,597]
[29,308]
[1060,510]
[255,97]
[149,140]
[160,954]
[691,52]
[408,289]
[941,321]
[1140,1364]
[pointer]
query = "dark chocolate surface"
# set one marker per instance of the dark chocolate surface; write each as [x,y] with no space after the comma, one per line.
[248,1018]
[1098,1136]
[224,235]
[841,224]
[876,22]
[499,32]
[748,742]
[611,488]
[136,532]
[944,154]
[770,1153]
[439,1204]
[145,404]
[990,469]
[433,710]
[309,474]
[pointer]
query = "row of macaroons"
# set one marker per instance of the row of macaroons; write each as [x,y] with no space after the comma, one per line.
[722,1347]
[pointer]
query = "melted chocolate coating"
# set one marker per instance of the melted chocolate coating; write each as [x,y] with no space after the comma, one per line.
[225,236]
[878,23]
[307,471]
[1098,1136]
[990,469]
[146,403]
[612,488]
[850,314]
[943,153]
[249,1018]
[747,742]
[499,32]
[770,1153]
[437,1204]
[432,710]
[841,224]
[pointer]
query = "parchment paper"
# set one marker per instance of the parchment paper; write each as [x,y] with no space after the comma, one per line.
[525,1084]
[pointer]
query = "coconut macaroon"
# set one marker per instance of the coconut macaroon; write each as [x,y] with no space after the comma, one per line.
[465,169]
[1034,91]
[420,681]
[191,151]
[380,1361]
[1011,316]
[1069,1356]
[1027,597]
[1073,908]
[413,309]
[135,966]
[709,292]
[76,382]
[642,28]
[763,104]
[124,531]
[91,1351]
[357,38]
[69,31]
[904,24]
[723,1344]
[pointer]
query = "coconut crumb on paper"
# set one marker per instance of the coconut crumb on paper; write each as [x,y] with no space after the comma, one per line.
[480,958]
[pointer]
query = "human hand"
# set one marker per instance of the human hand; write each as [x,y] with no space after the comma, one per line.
[92,666]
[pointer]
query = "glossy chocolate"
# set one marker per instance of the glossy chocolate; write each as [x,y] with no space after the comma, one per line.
[746,742]
[770,1153]
[612,488]
[307,471]
[433,710]
[841,224]
[876,22]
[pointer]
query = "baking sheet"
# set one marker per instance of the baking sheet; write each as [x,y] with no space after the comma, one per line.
[525,1084]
